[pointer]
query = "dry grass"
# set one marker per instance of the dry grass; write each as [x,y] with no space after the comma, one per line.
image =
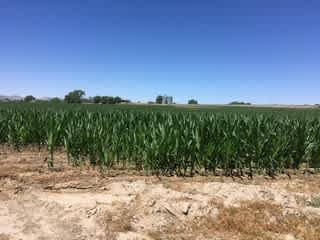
[4,237]
[303,184]
[115,223]
[261,220]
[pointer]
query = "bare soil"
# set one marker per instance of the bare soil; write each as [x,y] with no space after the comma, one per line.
[82,203]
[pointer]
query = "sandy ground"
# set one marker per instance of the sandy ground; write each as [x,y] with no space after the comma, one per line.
[81,203]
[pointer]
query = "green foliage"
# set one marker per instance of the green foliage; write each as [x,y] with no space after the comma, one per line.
[55,100]
[159,99]
[239,103]
[74,96]
[97,99]
[108,100]
[29,98]
[193,101]
[169,140]
[314,202]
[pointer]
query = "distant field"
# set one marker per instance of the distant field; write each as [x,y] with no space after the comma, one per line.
[267,109]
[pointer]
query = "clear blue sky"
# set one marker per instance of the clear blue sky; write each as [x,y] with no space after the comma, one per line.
[214,51]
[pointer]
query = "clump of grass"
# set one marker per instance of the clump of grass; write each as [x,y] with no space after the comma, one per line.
[314,202]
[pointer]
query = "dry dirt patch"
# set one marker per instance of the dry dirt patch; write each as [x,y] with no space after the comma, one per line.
[74,203]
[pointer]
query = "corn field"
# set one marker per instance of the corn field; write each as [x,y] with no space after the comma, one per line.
[181,143]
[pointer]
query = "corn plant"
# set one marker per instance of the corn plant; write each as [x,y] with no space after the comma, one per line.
[232,142]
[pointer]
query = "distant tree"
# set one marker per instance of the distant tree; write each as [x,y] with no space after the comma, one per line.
[192,101]
[117,100]
[159,99]
[239,103]
[55,100]
[111,100]
[74,96]
[106,100]
[29,98]
[97,99]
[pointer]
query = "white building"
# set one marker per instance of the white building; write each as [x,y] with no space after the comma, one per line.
[167,99]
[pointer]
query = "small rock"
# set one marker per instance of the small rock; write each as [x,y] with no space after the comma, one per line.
[158,210]
[186,209]
[289,237]
[92,212]
[152,203]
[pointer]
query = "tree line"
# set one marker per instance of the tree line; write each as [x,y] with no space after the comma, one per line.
[76,96]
